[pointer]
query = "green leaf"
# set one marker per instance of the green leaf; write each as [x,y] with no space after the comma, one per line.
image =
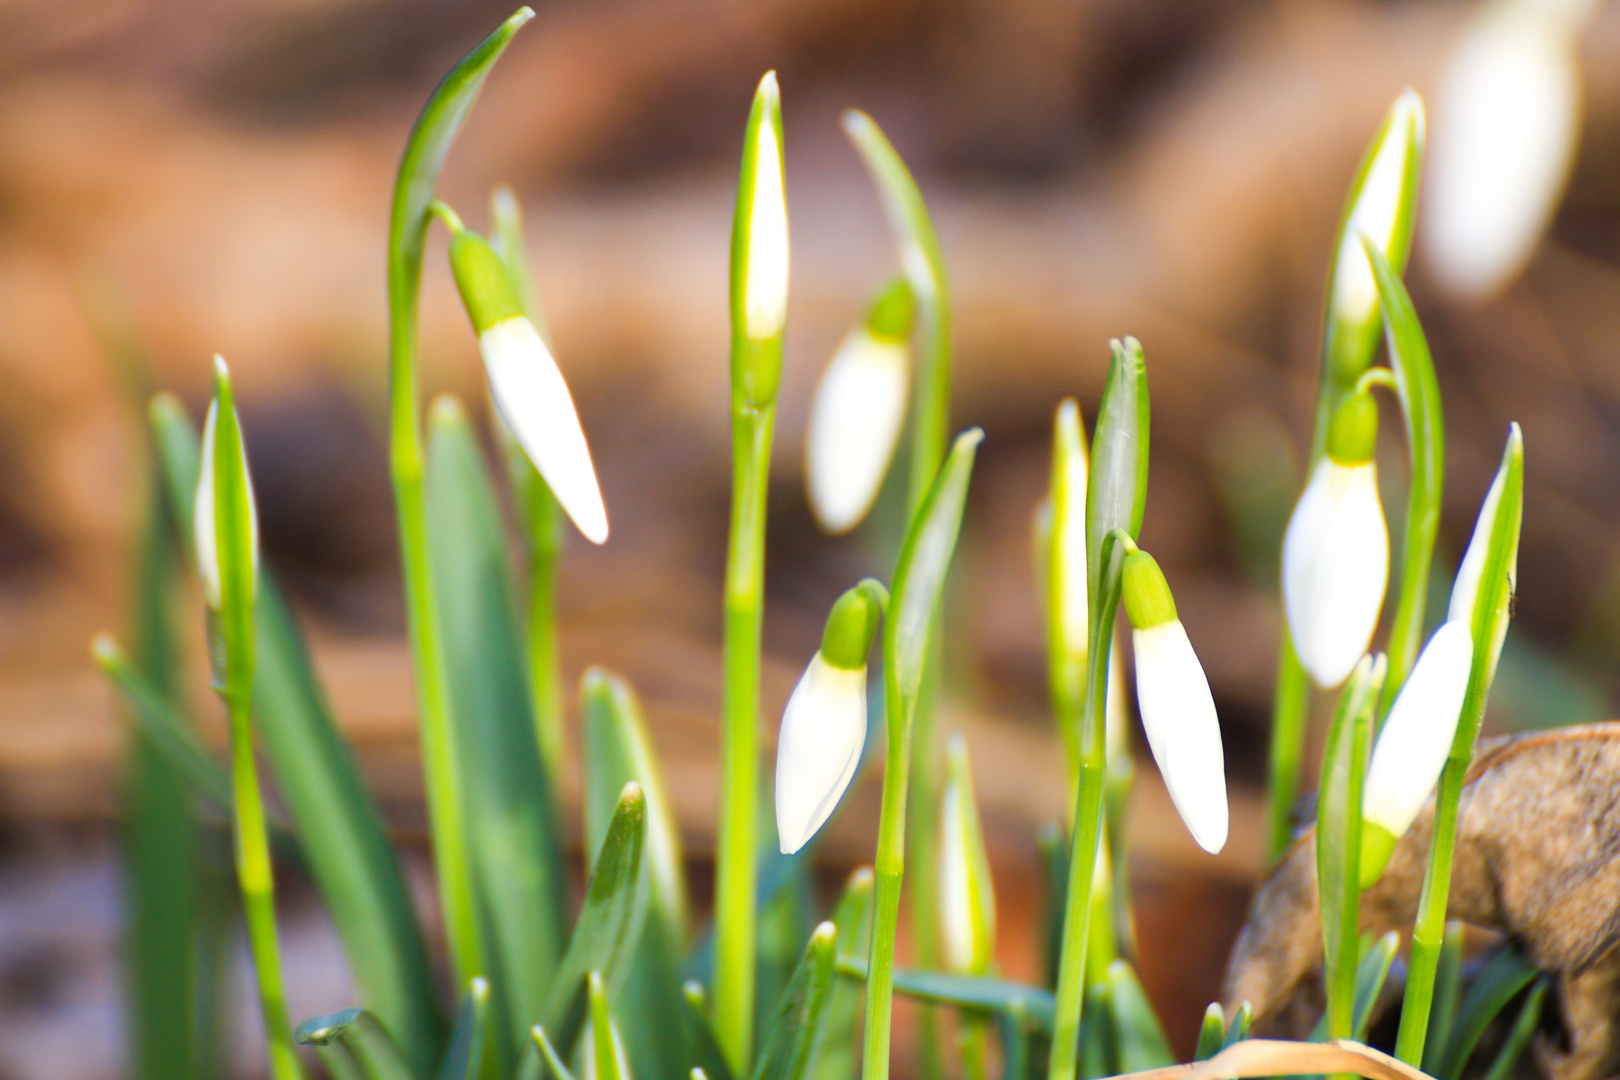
[548,1054]
[982,995]
[617,751]
[342,841]
[1116,495]
[1419,393]
[1054,854]
[512,839]
[1373,968]
[1338,843]
[1501,980]
[839,1055]
[467,1038]
[1238,1030]
[359,1036]
[706,1048]
[1518,1039]
[1212,1033]
[601,1056]
[781,929]
[1447,990]
[1138,1034]
[790,1041]
[605,925]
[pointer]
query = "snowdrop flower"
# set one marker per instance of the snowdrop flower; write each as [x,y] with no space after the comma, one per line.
[206,522]
[824,725]
[1178,711]
[1381,207]
[1465,589]
[1336,550]
[529,391]
[1508,119]
[858,411]
[967,902]
[765,285]
[1414,744]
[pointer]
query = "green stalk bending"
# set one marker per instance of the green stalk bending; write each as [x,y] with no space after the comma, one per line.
[1077,908]
[1490,612]
[425,151]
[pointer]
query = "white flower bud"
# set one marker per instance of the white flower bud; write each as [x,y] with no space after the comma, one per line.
[1335,569]
[1507,120]
[855,422]
[1465,589]
[1178,716]
[967,902]
[1377,210]
[817,749]
[765,288]
[534,401]
[1414,743]
[205,523]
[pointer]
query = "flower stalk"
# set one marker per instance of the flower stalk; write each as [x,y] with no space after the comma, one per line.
[759,283]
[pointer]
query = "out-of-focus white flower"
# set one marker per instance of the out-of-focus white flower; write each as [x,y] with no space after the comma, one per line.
[1507,121]
[765,287]
[205,522]
[967,902]
[1378,208]
[855,422]
[1413,745]
[1336,550]
[527,386]
[1178,710]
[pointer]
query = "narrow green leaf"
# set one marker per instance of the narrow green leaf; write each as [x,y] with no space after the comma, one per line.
[705,1047]
[1518,1039]
[1447,992]
[1373,968]
[342,839]
[790,1041]
[1419,392]
[964,992]
[1338,844]
[838,1057]
[1099,1043]
[1137,1032]
[1501,980]
[601,1055]
[548,1054]
[363,1037]
[1054,853]
[1238,1030]
[512,838]
[1016,1053]
[467,1038]
[605,925]
[1116,495]
[782,927]
[1211,1034]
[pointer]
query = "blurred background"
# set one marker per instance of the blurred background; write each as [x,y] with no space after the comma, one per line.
[180,178]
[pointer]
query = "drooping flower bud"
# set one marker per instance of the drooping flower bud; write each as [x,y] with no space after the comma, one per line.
[207,509]
[1336,550]
[526,384]
[824,725]
[858,411]
[1413,745]
[1507,121]
[1178,710]
[967,901]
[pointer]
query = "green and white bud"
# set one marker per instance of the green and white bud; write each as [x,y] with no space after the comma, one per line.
[967,901]
[1465,588]
[858,412]
[1507,121]
[1414,744]
[1336,550]
[824,725]
[528,389]
[206,522]
[1178,710]
[765,288]
[1380,207]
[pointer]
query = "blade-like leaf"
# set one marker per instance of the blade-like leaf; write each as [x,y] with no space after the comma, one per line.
[964,992]
[512,839]
[1447,993]
[467,1038]
[600,1055]
[1376,957]
[1419,392]
[1238,1030]
[341,834]
[1498,982]
[1518,1039]
[1138,1035]
[705,1047]
[791,1039]
[1211,1034]
[361,1037]
[553,1067]
[1116,495]
[838,1057]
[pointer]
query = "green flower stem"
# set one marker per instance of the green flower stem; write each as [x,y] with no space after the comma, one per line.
[425,151]
[1077,910]
[973,1044]
[735,915]
[1490,614]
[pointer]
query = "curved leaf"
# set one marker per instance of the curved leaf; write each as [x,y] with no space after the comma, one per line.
[359,1036]
[1116,494]
[1139,1038]
[467,1038]
[1498,983]
[790,1042]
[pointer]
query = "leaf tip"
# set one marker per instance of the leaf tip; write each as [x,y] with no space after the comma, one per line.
[105,651]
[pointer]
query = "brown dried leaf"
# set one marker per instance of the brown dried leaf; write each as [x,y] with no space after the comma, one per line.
[1278,1057]
[1537,858]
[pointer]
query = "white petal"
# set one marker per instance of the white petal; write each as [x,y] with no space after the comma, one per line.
[1465,588]
[1412,748]
[1506,123]
[765,289]
[1178,714]
[1335,569]
[1375,212]
[956,885]
[207,529]
[1116,717]
[535,403]
[855,422]
[817,749]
